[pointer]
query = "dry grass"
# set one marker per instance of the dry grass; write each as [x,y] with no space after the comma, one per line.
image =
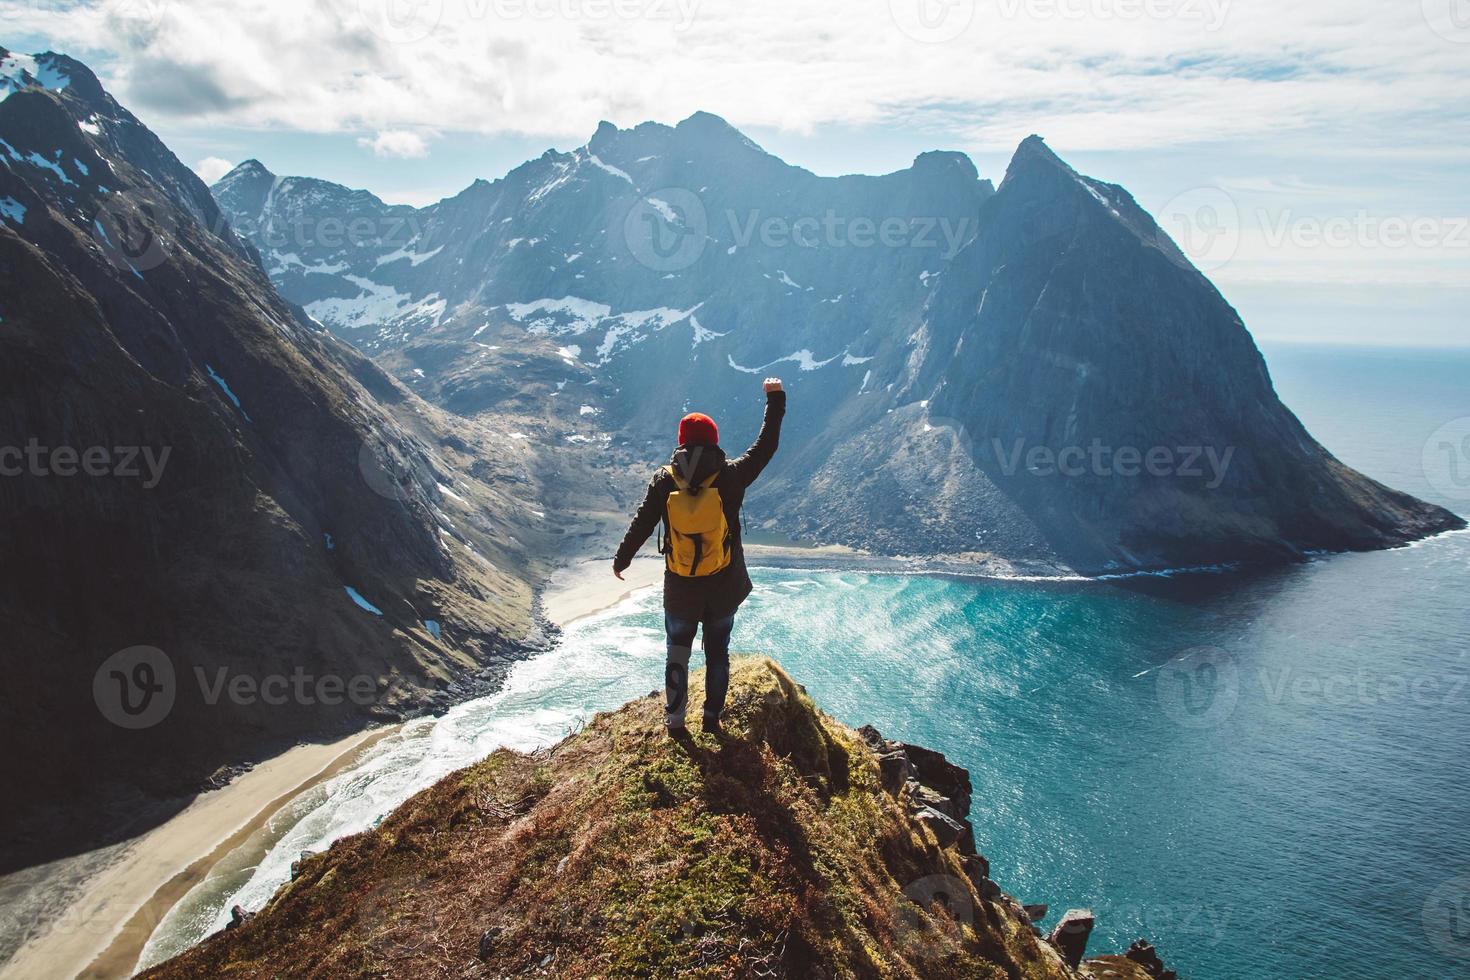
[770,851]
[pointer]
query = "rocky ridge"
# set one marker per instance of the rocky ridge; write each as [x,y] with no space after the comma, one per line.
[787,846]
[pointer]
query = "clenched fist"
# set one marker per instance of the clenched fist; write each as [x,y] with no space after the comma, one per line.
[773,384]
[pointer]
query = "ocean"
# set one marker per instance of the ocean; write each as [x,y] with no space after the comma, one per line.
[1267,774]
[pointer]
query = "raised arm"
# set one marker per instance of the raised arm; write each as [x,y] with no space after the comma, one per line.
[749,466]
[650,512]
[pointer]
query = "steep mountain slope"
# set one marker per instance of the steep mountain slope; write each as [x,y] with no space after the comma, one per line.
[1035,374]
[788,846]
[1086,370]
[191,466]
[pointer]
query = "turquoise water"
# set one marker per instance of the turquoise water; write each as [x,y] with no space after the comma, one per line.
[1265,774]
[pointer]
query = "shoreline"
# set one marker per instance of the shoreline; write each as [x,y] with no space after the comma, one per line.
[102,934]
[125,890]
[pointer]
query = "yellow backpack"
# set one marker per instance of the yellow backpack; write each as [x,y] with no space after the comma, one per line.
[699,539]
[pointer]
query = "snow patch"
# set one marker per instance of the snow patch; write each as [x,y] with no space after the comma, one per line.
[701,332]
[224,386]
[664,210]
[12,210]
[593,159]
[803,359]
[1099,197]
[581,314]
[362,603]
[416,258]
[17,71]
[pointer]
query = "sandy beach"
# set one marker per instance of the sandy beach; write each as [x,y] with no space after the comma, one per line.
[99,909]
[588,586]
[125,891]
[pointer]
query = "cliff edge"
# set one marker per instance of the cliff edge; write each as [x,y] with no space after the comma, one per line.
[787,846]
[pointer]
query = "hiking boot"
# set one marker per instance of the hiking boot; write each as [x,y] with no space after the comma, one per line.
[713,726]
[677,732]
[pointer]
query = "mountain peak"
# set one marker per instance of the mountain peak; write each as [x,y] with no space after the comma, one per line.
[707,125]
[247,168]
[1033,155]
[939,161]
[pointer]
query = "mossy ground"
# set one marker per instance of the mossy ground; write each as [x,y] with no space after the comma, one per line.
[768,850]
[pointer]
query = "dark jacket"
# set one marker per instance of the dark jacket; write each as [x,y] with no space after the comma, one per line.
[719,595]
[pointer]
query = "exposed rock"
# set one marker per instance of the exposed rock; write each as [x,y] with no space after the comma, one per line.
[925,780]
[946,779]
[947,830]
[1143,953]
[1071,934]
[238,917]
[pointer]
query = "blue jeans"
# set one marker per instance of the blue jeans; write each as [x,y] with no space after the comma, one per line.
[716,666]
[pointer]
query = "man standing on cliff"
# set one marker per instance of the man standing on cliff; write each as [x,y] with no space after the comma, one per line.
[697,497]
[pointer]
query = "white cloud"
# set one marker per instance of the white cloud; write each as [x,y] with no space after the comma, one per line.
[1088,74]
[1303,114]
[399,143]
[211,169]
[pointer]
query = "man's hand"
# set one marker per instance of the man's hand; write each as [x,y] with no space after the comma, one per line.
[772,384]
[617,573]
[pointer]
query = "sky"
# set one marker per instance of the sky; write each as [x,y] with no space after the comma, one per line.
[1310,156]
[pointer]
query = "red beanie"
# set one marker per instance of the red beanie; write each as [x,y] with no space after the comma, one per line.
[697,428]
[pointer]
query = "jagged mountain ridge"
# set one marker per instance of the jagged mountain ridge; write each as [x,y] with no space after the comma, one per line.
[613,288]
[288,471]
